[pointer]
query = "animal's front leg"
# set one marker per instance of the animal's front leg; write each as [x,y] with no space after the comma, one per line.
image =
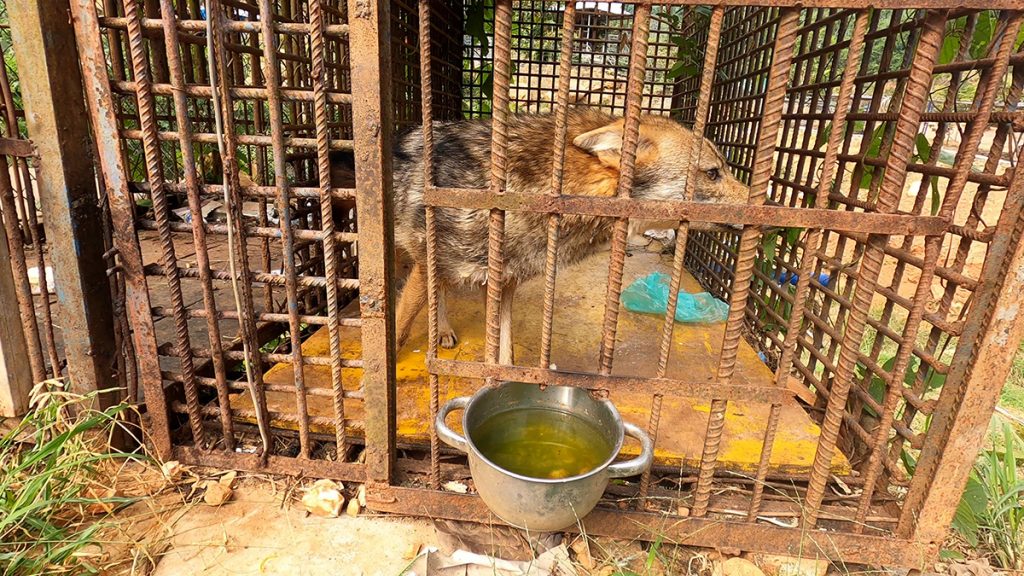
[505,326]
[410,302]
[445,334]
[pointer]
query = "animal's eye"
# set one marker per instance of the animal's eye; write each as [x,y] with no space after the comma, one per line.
[713,174]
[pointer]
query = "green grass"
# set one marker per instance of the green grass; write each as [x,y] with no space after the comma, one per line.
[990,515]
[1012,397]
[53,465]
[991,512]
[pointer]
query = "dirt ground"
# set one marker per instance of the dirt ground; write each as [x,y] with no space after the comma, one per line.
[262,529]
[256,533]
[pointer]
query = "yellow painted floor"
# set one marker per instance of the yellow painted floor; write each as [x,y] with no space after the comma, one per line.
[576,336]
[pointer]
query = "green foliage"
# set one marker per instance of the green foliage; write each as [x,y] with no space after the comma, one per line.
[874,151]
[478,69]
[1012,396]
[991,512]
[652,554]
[979,42]
[44,482]
[480,24]
[767,264]
[877,387]
[984,28]
[923,153]
[11,67]
[821,141]
[688,54]
[950,46]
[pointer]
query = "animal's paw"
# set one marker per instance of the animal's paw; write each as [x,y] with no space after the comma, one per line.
[447,339]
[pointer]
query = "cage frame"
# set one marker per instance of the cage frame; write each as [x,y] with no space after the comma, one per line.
[987,339]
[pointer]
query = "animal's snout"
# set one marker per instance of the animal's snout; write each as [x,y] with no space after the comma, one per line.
[737,193]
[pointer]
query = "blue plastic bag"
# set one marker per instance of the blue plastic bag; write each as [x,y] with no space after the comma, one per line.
[783,277]
[649,294]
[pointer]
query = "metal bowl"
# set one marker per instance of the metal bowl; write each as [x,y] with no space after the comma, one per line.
[541,504]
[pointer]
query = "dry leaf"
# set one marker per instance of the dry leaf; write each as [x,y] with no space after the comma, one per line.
[361,495]
[582,550]
[216,493]
[100,493]
[971,568]
[323,499]
[454,486]
[353,507]
[172,470]
[228,478]
[842,486]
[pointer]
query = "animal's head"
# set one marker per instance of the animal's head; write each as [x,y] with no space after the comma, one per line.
[670,165]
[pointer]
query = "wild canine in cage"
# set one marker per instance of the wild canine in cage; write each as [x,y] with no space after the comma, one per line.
[462,153]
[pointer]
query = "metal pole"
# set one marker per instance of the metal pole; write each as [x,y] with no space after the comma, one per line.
[55,111]
[369,22]
[15,376]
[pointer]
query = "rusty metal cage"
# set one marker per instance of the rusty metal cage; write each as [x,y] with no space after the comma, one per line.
[875,268]
[56,229]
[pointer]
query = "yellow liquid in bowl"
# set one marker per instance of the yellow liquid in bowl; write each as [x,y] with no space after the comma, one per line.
[541,443]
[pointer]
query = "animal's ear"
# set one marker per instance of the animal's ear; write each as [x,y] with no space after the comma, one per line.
[606,143]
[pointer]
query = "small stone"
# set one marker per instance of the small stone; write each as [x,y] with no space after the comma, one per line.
[737,567]
[682,511]
[324,499]
[228,478]
[353,507]
[412,551]
[361,495]
[666,236]
[454,486]
[216,493]
[172,470]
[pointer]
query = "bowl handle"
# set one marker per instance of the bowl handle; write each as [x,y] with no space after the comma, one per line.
[443,431]
[639,464]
